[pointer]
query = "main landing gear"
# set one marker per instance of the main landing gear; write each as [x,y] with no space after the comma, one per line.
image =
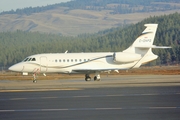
[97,77]
[87,77]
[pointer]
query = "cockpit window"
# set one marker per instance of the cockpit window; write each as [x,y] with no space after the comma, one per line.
[29,59]
[26,59]
[34,59]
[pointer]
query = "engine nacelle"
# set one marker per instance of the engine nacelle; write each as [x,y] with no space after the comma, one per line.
[120,57]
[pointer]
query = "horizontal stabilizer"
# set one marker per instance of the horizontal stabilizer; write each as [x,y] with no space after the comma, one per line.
[152,46]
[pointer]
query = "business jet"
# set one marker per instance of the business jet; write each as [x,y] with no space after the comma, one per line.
[139,53]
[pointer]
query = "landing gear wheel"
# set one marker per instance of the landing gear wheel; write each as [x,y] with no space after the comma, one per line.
[96,78]
[87,77]
[34,81]
[34,78]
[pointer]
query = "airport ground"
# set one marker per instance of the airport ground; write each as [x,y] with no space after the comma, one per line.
[127,96]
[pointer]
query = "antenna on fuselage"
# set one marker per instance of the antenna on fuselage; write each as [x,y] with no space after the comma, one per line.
[66,51]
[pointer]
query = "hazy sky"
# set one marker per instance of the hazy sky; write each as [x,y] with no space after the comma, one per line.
[6,5]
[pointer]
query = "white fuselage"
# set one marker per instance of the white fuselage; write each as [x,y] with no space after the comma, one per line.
[70,63]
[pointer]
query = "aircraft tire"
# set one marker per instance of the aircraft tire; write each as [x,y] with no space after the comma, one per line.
[34,81]
[96,79]
[88,79]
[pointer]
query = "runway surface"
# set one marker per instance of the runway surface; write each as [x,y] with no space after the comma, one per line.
[149,97]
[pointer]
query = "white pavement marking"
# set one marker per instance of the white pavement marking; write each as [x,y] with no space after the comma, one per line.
[89,109]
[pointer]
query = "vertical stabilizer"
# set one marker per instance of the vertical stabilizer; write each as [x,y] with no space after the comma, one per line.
[144,40]
[143,45]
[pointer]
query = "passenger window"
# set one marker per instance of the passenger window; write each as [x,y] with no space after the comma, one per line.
[64,60]
[67,60]
[84,60]
[79,60]
[59,60]
[71,60]
[56,60]
[75,60]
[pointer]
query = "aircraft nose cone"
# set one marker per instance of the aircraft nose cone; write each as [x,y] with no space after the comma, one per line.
[16,68]
[12,68]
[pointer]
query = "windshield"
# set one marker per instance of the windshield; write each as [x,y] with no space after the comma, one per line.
[29,59]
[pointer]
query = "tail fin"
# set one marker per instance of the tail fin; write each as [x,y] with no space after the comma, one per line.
[143,45]
[146,39]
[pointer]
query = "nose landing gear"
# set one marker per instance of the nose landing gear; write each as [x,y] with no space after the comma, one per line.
[35,75]
[34,78]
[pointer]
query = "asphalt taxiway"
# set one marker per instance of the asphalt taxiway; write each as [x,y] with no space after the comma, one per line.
[115,97]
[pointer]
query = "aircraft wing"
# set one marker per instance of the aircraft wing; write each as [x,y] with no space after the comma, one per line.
[95,70]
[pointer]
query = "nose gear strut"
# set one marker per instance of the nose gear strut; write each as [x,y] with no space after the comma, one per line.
[35,75]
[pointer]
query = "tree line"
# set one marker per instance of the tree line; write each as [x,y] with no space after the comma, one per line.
[121,7]
[15,46]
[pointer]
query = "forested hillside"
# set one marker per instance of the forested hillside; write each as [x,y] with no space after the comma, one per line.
[84,16]
[117,6]
[15,46]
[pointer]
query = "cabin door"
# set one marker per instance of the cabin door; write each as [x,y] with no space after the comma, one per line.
[43,64]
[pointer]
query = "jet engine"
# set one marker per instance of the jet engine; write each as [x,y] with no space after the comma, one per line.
[121,57]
